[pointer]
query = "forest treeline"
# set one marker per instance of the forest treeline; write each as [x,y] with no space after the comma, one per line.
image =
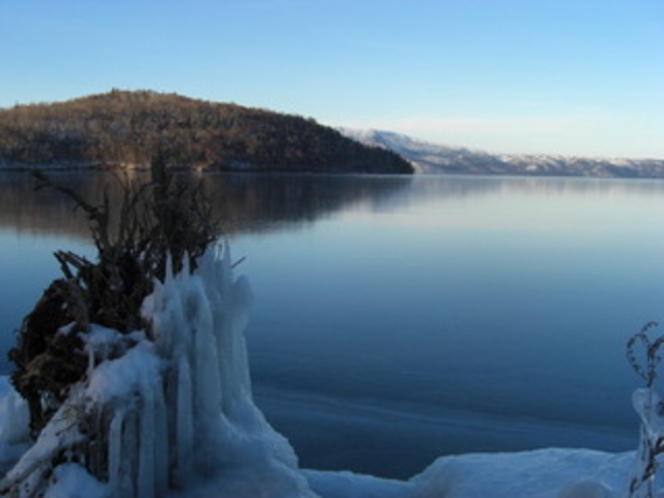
[130,128]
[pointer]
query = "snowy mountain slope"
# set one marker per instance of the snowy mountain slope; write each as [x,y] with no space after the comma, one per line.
[431,158]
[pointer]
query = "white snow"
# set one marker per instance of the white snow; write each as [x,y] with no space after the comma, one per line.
[547,473]
[72,481]
[13,426]
[182,421]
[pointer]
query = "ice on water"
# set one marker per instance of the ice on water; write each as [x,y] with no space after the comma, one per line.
[183,422]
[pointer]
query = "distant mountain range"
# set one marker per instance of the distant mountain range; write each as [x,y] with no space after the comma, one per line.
[431,158]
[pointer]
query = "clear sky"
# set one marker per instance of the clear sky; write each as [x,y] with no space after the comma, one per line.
[582,77]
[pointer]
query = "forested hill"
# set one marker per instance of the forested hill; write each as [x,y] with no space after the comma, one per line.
[123,128]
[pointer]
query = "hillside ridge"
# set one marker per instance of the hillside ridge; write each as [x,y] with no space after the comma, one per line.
[129,128]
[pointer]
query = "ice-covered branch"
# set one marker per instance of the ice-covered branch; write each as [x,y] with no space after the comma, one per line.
[650,408]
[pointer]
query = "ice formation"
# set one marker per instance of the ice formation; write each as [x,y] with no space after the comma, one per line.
[173,404]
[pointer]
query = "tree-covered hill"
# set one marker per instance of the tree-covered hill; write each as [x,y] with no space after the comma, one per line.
[130,128]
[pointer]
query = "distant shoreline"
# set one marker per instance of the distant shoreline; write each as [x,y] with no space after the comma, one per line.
[96,168]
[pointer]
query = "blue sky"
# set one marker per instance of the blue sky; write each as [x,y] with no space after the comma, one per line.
[582,77]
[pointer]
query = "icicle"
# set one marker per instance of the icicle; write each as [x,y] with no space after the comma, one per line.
[211,278]
[224,274]
[168,274]
[184,440]
[207,392]
[161,452]
[168,319]
[185,264]
[243,298]
[115,450]
[146,446]
[129,463]
[231,302]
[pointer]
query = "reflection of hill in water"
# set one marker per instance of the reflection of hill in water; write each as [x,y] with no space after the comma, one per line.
[44,212]
[257,203]
[244,202]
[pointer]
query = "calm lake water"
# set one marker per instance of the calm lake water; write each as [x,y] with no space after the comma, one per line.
[399,319]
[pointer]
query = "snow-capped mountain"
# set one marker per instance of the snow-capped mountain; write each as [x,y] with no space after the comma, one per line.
[432,158]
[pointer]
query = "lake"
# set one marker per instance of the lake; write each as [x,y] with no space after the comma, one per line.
[398,319]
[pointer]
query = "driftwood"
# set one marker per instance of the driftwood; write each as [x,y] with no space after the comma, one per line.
[165,219]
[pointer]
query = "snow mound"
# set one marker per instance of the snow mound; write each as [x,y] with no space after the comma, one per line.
[546,473]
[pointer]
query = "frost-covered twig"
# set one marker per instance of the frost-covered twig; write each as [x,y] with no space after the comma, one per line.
[650,408]
[648,369]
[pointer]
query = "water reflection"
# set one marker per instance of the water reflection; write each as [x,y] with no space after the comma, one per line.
[455,187]
[244,202]
[254,203]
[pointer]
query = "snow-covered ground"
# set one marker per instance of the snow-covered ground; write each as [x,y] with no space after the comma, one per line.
[199,434]
[546,473]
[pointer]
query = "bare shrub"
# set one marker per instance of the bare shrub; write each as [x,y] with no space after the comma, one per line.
[165,219]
